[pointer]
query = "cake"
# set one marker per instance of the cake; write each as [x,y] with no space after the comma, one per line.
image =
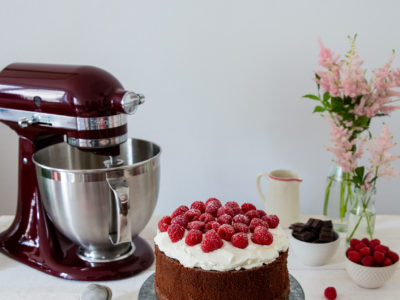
[218,252]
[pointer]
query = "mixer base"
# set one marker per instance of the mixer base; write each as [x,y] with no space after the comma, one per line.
[70,266]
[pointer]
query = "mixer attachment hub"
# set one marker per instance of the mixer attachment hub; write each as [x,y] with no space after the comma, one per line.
[113,162]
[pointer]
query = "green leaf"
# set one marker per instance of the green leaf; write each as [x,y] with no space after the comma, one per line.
[360,172]
[318,78]
[362,121]
[326,96]
[318,109]
[310,96]
[337,104]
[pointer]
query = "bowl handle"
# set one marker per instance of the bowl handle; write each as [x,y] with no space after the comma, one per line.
[120,190]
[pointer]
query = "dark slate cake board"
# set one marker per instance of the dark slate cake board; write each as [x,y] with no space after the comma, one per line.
[147,290]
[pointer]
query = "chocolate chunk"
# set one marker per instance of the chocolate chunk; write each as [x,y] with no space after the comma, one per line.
[314,231]
[326,230]
[310,221]
[327,224]
[298,227]
[304,236]
[326,236]
[316,224]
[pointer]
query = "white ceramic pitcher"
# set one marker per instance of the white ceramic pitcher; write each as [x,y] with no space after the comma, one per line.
[282,197]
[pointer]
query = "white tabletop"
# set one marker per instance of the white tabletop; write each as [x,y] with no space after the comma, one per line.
[18,281]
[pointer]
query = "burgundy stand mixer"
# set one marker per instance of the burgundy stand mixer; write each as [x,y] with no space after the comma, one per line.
[85,190]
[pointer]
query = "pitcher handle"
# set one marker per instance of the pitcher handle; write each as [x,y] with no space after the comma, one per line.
[120,190]
[262,196]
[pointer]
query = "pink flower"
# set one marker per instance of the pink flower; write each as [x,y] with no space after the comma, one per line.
[329,83]
[381,159]
[354,83]
[343,146]
[327,59]
[361,100]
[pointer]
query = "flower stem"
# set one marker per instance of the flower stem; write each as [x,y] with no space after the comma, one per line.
[355,229]
[369,227]
[327,193]
[342,202]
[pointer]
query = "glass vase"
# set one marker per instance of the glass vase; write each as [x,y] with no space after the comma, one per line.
[362,215]
[338,197]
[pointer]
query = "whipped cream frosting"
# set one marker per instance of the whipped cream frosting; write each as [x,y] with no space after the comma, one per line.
[225,258]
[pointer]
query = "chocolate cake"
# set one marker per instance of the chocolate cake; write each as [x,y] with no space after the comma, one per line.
[201,253]
[175,282]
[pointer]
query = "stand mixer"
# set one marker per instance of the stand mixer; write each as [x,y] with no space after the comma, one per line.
[85,191]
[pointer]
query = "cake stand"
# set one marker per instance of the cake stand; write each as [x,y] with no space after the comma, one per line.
[147,289]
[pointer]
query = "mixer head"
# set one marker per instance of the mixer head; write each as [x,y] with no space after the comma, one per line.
[86,104]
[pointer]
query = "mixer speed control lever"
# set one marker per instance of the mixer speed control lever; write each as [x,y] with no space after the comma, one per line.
[25,122]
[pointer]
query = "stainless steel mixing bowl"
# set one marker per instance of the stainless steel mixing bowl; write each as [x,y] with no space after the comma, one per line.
[101,209]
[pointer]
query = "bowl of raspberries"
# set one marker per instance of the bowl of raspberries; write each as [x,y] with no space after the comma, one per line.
[369,263]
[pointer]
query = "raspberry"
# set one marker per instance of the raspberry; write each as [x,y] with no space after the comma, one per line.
[257,222]
[180,220]
[252,214]
[365,241]
[330,293]
[272,220]
[373,243]
[164,223]
[241,219]
[240,240]
[347,251]
[367,261]
[379,256]
[262,236]
[225,210]
[387,262]
[199,205]
[240,227]
[393,256]
[211,241]
[196,225]
[193,237]
[176,232]
[192,214]
[354,256]
[234,206]
[212,208]
[360,245]
[225,219]
[214,200]
[365,251]
[354,243]
[247,206]
[206,218]
[381,248]
[179,211]
[226,231]
[261,213]
[212,225]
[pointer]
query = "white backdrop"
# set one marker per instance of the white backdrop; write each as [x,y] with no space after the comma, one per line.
[223,81]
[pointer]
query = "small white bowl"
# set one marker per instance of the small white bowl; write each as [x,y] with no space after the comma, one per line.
[370,277]
[313,254]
